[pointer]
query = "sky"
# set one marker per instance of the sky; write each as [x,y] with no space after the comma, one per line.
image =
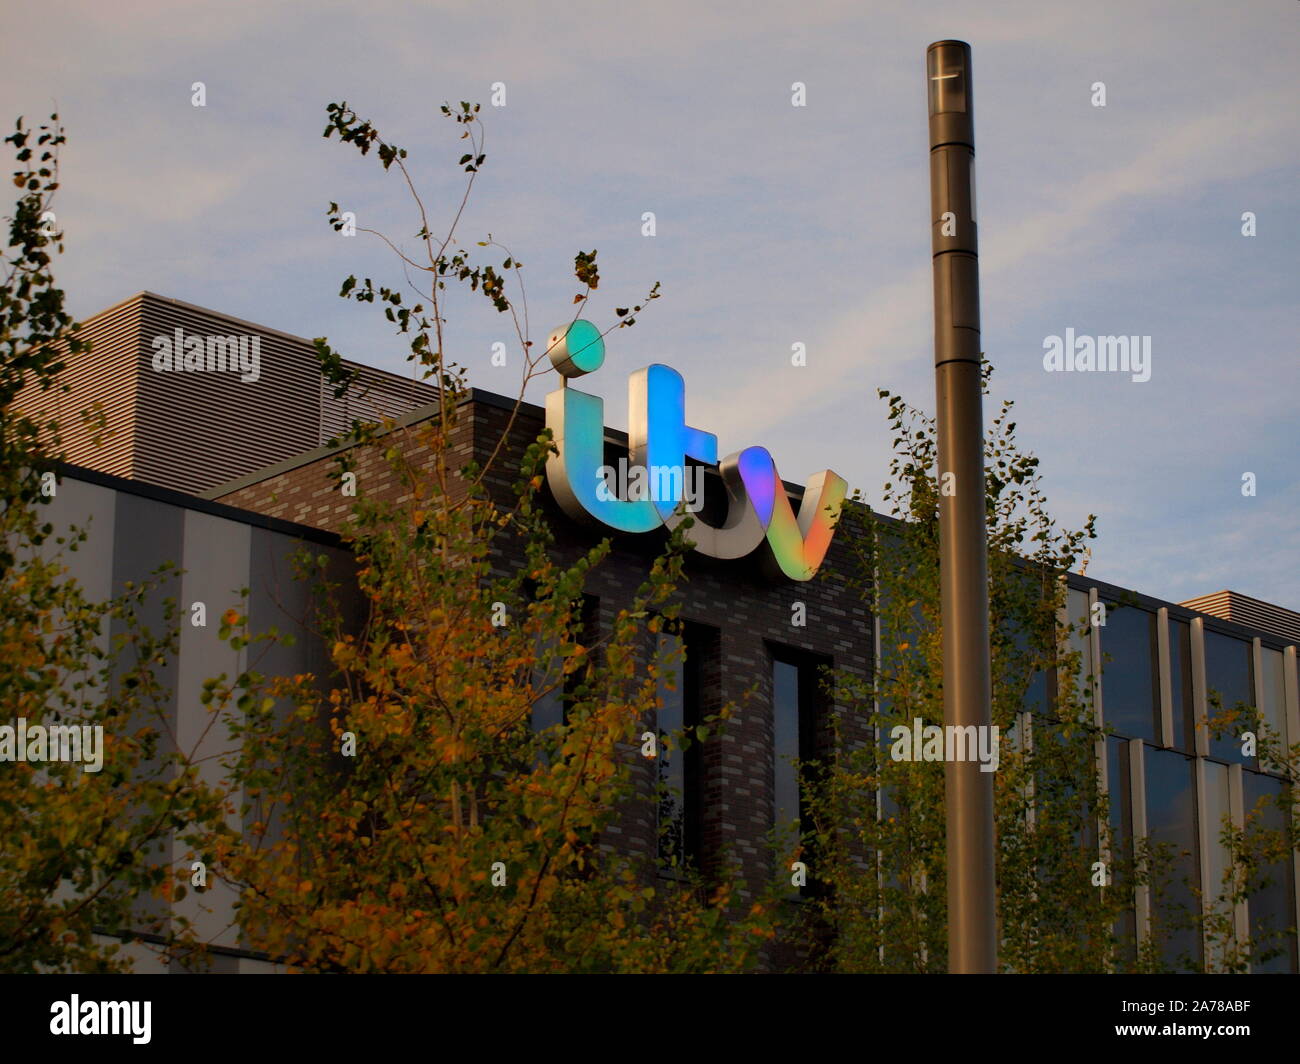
[774,224]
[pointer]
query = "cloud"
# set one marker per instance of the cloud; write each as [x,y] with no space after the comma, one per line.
[776,224]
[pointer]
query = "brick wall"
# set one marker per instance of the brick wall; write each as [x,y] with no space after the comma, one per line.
[747,609]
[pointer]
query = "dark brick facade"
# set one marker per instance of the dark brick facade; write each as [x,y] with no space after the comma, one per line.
[738,615]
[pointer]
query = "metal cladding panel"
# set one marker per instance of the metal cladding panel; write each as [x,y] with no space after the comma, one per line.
[251,398]
[146,535]
[1251,612]
[105,374]
[216,561]
[1216,604]
[280,599]
[76,506]
[131,531]
[376,395]
[199,428]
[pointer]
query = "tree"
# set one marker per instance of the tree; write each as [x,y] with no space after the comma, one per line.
[406,815]
[90,800]
[1258,851]
[1066,870]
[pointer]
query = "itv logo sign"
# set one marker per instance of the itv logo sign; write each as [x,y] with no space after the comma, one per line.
[659,490]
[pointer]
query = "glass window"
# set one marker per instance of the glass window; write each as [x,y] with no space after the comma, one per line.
[1121,841]
[1061,761]
[1180,676]
[1229,674]
[1019,656]
[1036,695]
[797,715]
[1218,892]
[1130,692]
[672,759]
[1171,828]
[1272,903]
[785,737]
[552,708]
[1274,708]
[1079,644]
[548,710]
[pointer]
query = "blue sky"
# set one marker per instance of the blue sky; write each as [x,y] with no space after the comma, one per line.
[775,224]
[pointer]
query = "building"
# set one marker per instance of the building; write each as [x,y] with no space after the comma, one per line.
[132,527]
[203,474]
[193,398]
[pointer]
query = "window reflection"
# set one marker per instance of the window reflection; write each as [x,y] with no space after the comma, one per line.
[1171,828]
[551,708]
[671,721]
[798,715]
[1079,645]
[1121,842]
[1130,694]
[1217,805]
[1272,902]
[1180,676]
[1229,673]
[1020,657]
[785,728]
[1274,708]
[548,710]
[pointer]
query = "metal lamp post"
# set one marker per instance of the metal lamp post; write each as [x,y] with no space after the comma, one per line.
[963,543]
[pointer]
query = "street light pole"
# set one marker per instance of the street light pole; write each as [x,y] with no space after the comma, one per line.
[963,542]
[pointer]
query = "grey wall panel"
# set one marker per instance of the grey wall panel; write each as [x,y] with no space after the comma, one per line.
[148,533]
[130,534]
[77,504]
[280,600]
[216,553]
[93,508]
